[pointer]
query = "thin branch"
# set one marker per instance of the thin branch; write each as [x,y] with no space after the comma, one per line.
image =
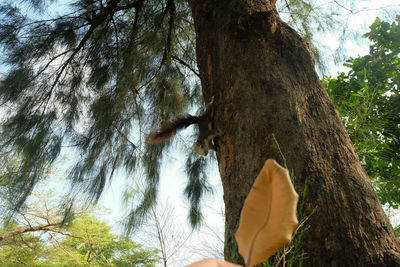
[63,248]
[160,237]
[342,6]
[52,20]
[171,9]
[37,215]
[290,13]
[65,234]
[125,137]
[138,11]
[117,44]
[185,64]
[25,242]
[50,61]
[108,10]
[27,221]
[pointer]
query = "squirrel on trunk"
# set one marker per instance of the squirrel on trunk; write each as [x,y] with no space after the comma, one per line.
[206,133]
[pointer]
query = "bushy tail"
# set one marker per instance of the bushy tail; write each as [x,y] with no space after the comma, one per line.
[169,129]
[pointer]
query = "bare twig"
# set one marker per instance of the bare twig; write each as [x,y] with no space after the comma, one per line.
[342,6]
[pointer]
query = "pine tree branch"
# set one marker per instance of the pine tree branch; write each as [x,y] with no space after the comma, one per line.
[116,40]
[171,9]
[54,230]
[185,64]
[125,137]
[138,10]
[50,61]
[25,242]
[109,10]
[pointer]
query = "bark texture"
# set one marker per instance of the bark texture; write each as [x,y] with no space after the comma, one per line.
[261,74]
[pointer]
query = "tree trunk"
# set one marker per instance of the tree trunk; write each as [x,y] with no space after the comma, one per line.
[261,74]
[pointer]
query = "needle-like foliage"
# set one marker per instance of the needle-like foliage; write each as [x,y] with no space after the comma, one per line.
[197,186]
[96,78]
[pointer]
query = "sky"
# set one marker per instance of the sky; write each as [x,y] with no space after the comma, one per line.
[207,241]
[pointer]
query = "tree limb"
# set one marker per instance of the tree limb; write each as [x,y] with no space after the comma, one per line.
[110,9]
[25,229]
[171,9]
[185,64]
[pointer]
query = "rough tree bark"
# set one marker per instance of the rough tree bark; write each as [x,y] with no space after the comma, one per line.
[261,74]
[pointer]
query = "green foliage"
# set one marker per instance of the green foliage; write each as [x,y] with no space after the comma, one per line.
[85,242]
[91,243]
[293,254]
[22,250]
[397,230]
[38,236]
[368,100]
[8,166]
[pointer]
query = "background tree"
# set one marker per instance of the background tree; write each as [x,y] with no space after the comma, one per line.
[37,237]
[89,242]
[367,97]
[94,73]
[21,250]
[162,229]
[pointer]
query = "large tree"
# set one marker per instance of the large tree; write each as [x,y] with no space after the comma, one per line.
[262,74]
[88,77]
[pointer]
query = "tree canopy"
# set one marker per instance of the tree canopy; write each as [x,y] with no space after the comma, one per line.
[37,237]
[367,97]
